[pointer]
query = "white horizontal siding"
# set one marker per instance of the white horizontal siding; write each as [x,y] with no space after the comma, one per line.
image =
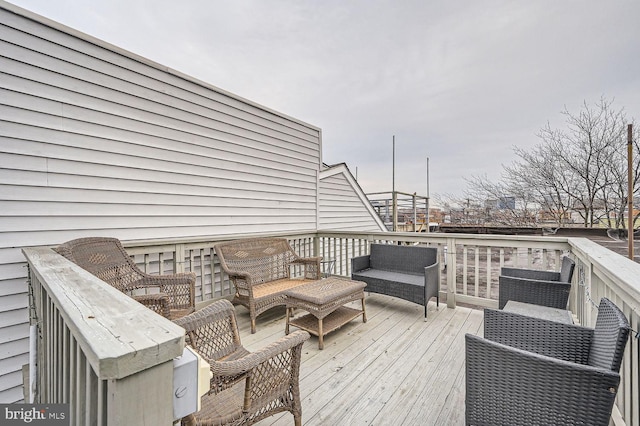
[108,61]
[97,141]
[341,204]
[12,357]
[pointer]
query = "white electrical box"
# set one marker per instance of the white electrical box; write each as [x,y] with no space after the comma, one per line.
[191,379]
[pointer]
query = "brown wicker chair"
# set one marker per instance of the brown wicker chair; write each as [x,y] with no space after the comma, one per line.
[107,259]
[246,387]
[259,268]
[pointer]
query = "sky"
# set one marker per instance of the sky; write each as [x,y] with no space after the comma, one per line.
[458,82]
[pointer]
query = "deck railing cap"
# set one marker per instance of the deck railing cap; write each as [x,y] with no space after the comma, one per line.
[118,335]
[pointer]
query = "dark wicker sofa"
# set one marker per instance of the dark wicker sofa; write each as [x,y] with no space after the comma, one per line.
[408,272]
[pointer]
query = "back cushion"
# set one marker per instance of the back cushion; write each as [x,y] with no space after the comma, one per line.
[408,259]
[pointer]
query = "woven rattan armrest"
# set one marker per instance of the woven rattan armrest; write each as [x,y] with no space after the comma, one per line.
[360,263]
[432,272]
[563,341]
[242,281]
[311,266]
[506,385]
[180,278]
[184,279]
[308,260]
[532,274]
[157,302]
[238,274]
[179,287]
[253,359]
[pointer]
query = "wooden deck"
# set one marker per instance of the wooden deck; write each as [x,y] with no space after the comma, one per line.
[394,369]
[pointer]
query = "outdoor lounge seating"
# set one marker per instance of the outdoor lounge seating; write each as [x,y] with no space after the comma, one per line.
[407,272]
[246,387]
[260,270]
[172,295]
[528,371]
[546,288]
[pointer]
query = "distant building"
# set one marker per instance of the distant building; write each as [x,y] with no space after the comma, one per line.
[502,203]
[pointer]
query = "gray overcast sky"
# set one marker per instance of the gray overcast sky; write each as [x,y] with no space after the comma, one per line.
[460,82]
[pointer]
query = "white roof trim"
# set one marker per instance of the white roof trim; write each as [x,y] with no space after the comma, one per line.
[343,169]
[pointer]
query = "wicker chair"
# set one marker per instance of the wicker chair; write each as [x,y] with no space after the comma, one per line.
[529,371]
[546,288]
[259,268]
[107,259]
[246,387]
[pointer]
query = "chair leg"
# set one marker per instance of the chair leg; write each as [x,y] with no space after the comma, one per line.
[253,325]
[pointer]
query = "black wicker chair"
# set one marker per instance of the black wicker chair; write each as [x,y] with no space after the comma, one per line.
[530,371]
[546,288]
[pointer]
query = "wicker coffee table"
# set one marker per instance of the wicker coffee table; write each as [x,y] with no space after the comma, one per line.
[324,300]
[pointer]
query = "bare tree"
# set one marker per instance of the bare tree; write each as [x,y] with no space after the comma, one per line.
[507,203]
[541,173]
[585,150]
[578,170]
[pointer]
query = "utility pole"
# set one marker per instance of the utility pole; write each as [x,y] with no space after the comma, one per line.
[393,188]
[427,203]
[630,188]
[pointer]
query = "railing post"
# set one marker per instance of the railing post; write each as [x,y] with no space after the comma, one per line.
[178,260]
[151,388]
[415,213]
[451,272]
[588,297]
[316,245]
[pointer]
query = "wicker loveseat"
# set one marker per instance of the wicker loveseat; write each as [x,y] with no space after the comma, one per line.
[260,269]
[531,371]
[408,272]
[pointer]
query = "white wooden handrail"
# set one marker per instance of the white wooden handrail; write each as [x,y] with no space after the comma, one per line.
[98,350]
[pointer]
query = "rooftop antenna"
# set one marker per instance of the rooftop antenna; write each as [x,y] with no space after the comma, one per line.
[630,188]
[393,169]
[427,212]
[393,187]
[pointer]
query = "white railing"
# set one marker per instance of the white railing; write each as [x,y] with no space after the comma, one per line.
[470,263]
[470,268]
[199,257]
[602,273]
[96,349]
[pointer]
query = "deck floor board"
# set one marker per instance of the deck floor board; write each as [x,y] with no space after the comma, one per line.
[396,368]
